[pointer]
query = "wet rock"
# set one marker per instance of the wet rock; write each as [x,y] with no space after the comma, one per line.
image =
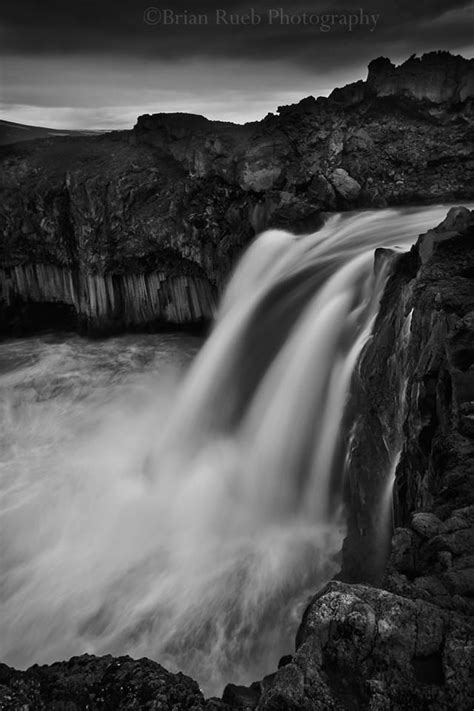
[436,459]
[283,690]
[241,697]
[426,524]
[403,551]
[371,649]
[99,684]
[287,659]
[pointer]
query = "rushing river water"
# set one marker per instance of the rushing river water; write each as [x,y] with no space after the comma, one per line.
[186,513]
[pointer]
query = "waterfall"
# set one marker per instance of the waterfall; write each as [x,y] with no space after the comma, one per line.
[189,521]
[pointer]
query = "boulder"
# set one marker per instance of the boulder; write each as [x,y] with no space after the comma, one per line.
[365,648]
[344,185]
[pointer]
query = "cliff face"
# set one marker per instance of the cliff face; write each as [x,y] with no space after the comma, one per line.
[177,198]
[438,77]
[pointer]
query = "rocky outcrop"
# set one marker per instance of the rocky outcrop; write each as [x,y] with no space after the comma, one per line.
[415,390]
[181,196]
[438,77]
[100,684]
[363,648]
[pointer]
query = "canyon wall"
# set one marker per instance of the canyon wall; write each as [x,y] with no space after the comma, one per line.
[181,196]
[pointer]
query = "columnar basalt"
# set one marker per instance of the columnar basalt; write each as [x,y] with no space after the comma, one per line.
[107,303]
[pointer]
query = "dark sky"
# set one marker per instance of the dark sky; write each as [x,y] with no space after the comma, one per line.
[99,64]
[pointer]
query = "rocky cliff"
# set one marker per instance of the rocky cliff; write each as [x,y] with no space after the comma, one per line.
[397,631]
[438,77]
[140,228]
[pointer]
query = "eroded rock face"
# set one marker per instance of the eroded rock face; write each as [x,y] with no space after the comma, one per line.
[364,648]
[437,77]
[180,195]
[415,395]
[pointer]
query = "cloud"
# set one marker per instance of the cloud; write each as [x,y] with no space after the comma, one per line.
[102,57]
[102,92]
[119,28]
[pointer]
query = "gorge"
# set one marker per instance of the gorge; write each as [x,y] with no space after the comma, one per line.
[303,488]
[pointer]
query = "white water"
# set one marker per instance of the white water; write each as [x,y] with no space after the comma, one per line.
[188,519]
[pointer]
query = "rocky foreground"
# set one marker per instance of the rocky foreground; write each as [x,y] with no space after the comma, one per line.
[390,634]
[139,229]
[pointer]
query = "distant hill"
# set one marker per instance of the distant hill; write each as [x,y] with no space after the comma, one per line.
[14,132]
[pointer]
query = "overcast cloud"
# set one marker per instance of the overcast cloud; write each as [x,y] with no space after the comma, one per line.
[99,65]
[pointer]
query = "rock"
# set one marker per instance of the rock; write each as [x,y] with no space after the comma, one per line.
[359,140]
[426,524]
[335,144]
[403,552]
[111,303]
[371,649]
[434,473]
[457,220]
[437,76]
[345,186]
[241,697]
[322,192]
[349,95]
[99,683]
[283,690]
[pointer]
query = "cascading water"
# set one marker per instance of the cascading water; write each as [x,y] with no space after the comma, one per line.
[189,521]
